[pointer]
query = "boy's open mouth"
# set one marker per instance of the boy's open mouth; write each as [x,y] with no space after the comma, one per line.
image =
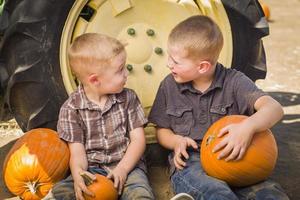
[174,74]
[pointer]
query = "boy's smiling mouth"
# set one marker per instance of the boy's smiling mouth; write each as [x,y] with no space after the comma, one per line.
[173,73]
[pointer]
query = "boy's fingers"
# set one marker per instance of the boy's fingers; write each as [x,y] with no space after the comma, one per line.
[177,165]
[184,154]
[193,143]
[86,191]
[116,181]
[79,197]
[226,151]
[234,154]
[180,162]
[78,194]
[121,183]
[241,154]
[219,146]
[109,175]
[223,131]
[83,188]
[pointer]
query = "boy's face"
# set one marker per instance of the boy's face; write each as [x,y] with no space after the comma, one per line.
[183,69]
[114,78]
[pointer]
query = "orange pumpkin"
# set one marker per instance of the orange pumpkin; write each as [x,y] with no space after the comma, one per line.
[256,165]
[35,163]
[102,187]
[265,9]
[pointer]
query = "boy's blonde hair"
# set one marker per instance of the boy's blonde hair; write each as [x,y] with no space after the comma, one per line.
[92,52]
[200,36]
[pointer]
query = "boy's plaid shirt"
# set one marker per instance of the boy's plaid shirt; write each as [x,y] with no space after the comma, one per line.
[104,133]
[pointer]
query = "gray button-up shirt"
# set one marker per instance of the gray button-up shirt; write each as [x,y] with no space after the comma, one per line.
[189,112]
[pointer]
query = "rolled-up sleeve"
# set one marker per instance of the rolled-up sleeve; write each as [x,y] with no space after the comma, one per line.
[158,114]
[69,126]
[247,93]
[136,115]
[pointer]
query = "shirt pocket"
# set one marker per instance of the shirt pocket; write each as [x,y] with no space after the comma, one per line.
[181,120]
[220,110]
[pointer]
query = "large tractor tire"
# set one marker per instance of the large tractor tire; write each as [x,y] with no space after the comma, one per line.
[33,48]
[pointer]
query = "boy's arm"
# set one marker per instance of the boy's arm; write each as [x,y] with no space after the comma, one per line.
[135,149]
[177,143]
[131,157]
[269,112]
[167,138]
[79,165]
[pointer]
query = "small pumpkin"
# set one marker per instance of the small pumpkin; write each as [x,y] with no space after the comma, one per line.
[256,165]
[102,187]
[35,163]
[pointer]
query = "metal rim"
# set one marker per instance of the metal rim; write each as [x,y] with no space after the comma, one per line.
[76,25]
[146,36]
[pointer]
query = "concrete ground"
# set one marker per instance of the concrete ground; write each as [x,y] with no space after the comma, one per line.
[283,83]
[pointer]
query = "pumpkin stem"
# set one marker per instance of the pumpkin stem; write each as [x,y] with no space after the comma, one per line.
[32,186]
[87,180]
[210,139]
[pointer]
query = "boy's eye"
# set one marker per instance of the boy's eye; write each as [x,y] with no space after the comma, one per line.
[121,70]
[174,61]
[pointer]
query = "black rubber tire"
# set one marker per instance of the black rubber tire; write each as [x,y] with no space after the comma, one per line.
[248,50]
[30,52]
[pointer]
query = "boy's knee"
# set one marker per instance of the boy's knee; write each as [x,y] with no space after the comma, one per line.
[61,192]
[140,192]
[272,193]
[220,195]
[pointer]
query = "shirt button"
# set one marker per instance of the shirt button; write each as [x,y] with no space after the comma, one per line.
[106,137]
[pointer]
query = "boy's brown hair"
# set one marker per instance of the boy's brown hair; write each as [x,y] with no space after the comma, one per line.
[92,51]
[200,36]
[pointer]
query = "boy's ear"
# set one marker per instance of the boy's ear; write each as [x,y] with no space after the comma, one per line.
[94,79]
[204,66]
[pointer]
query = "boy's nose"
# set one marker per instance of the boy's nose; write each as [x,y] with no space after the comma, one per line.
[126,73]
[170,63]
[169,66]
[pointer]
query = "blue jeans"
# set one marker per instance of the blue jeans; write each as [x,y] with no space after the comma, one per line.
[136,187]
[194,181]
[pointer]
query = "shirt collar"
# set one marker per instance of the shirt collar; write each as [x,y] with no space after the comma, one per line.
[82,102]
[217,82]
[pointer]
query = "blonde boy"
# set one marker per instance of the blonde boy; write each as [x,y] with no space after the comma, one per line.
[198,92]
[102,122]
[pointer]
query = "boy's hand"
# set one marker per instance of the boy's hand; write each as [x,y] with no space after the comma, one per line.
[180,151]
[119,176]
[79,185]
[235,143]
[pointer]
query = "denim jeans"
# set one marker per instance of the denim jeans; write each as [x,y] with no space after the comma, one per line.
[194,181]
[136,187]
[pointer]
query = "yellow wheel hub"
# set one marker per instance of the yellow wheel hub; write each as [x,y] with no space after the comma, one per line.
[143,26]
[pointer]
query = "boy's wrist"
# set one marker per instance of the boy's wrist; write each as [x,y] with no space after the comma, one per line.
[123,168]
[178,139]
[249,125]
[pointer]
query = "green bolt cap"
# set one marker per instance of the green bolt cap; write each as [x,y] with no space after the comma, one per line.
[129,67]
[150,32]
[148,68]
[131,31]
[158,50]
